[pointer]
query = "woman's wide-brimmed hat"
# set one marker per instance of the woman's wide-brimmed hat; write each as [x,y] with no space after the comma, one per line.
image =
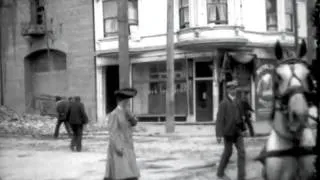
[125,93]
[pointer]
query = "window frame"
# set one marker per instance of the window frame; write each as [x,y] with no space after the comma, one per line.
[134,21]
[218,22]
[290,14]
[131,21]
[182,10]
[272,27]
[111,33]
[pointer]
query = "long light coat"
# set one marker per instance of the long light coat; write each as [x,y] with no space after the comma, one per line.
[120,125]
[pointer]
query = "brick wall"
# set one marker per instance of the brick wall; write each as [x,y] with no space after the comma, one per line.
[71,23]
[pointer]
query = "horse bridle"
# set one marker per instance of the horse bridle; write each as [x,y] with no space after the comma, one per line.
[284,98]
[309,93]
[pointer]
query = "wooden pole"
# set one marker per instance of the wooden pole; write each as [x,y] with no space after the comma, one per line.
[224,73]
[1,61]
[187,85]
[123,31]
[170,70]
[295,23]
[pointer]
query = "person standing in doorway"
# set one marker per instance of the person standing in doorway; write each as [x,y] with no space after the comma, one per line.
[62,106]
[228,127]
[121,157]
[77,117]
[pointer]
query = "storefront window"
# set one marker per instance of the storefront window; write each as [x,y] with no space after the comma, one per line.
[150,81]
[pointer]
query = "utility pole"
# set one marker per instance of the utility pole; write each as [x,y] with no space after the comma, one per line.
[123,31]
[1,60]
[295,23]
[170,123]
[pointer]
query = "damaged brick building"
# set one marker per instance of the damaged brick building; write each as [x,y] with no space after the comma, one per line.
[47,49]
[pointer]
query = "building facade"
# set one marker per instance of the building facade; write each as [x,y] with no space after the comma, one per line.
[47,49]
[208,33]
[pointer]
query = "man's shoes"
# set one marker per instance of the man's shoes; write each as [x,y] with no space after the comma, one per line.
[79,149]
[223,178]
[72,148]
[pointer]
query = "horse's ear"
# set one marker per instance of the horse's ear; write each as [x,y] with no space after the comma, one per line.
[278,50]
[303,48]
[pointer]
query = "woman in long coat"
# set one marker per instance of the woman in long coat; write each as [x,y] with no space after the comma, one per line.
[121,157]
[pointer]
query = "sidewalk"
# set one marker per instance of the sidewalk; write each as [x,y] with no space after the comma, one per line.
[262,128]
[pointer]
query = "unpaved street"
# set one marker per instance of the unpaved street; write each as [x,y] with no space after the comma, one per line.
[159,157]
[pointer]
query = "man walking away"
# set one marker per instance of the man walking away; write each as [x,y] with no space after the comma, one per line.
[62,106]
[228,127]
[77,117]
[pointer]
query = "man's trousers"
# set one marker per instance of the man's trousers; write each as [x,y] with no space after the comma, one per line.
[237,140]
[66,125]
[77,137]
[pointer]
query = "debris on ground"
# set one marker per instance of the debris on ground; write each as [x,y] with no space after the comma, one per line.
[8,114]
[27,124]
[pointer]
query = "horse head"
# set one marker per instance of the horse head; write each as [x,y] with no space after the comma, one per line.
[293,87]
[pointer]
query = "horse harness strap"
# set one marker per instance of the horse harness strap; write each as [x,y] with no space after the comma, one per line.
[292,152]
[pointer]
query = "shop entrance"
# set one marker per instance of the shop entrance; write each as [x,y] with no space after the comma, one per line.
[204,105]
[203,90]
[112,84]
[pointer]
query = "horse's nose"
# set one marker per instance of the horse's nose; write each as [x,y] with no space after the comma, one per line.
[298,112]
[296,121]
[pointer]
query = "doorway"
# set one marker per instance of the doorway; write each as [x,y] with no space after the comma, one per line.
[204,106]
[112,84]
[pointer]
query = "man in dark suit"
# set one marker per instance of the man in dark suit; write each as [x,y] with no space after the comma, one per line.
[62,106]
[228,127]
[77,117]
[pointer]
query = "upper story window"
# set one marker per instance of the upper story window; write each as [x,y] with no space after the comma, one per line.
[37,12]
[217,11]
[289,16]
[184,13]
[110,15]
[272,18]
[133,12]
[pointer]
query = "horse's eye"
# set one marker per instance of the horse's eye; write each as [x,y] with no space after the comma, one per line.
[279,77]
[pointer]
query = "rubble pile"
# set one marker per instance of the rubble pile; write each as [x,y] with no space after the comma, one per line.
[35,124]
[27,124]
[7,114]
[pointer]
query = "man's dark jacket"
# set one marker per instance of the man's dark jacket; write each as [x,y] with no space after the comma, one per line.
[76,113]
[227,118]
[62,109]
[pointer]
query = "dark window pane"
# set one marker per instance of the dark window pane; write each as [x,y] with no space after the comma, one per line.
[184,13]
[204,69]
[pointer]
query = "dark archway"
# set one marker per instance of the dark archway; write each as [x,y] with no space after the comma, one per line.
[45,78]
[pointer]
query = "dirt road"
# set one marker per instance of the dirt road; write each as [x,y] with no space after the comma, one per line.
[159,158]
